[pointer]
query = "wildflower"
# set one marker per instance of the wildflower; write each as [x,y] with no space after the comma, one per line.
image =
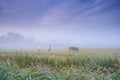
[1,62]
[98,79]
[15,66]
[89,59]
[108,71]
[73,67]
[40,64]
[116,66]
[79,64]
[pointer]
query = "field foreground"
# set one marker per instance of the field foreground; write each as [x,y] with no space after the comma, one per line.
[87,64]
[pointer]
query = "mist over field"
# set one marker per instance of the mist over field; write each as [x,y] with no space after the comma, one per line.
[59,23]
[16,41]
[59,39]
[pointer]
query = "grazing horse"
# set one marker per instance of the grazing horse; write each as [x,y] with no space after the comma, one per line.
[74,49]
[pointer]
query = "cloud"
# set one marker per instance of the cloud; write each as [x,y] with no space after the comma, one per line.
[51,12]
[69,11]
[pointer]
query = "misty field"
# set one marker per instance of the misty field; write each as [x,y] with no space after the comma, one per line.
[87,64]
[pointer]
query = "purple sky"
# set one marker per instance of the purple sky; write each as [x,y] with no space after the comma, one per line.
[90,23]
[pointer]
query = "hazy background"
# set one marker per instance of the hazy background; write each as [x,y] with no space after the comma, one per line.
[60,23]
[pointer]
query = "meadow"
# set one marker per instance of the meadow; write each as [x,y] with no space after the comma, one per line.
[87,64]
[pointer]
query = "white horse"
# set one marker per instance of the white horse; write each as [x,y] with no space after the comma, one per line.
[49,48]
[39,49]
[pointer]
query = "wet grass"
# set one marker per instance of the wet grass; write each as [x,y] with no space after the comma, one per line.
[88,64]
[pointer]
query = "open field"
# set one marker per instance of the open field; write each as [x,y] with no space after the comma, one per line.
[87,64]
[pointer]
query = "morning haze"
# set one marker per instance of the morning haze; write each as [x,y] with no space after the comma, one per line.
[59,39]
[60,23]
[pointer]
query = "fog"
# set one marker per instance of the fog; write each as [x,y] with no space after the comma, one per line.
[16,41]
[28,24]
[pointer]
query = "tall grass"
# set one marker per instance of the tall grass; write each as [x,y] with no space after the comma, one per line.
[87,64]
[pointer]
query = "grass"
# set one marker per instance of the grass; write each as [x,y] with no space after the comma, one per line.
[87,64]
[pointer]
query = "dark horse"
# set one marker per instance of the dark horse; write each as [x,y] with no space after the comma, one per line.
[74,49]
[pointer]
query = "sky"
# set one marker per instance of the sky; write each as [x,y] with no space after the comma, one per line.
[83,23]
